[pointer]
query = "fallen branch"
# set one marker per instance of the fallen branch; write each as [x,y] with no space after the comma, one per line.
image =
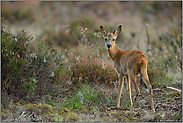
[175,89]
[172,88]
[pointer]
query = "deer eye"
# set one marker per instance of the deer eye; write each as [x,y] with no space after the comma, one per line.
[105,39]
[113,39]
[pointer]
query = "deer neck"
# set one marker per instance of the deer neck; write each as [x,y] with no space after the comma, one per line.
[113,52]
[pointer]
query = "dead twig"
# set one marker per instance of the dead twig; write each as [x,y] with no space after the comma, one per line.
[148,39]
[171,88]
[175,89]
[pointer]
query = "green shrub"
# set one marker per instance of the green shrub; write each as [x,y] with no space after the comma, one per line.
[13,60]
[26,69]
[29,87]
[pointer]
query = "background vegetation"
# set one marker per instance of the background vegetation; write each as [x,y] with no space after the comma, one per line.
[55,64]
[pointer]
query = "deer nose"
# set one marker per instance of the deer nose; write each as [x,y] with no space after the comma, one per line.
[109,46]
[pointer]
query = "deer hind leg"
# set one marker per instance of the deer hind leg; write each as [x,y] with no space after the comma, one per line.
[137,93]
[145,78]
[133,79]
[129,89]
[121,80]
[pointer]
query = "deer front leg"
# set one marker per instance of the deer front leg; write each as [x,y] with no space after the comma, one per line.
[129,90]
[121,80]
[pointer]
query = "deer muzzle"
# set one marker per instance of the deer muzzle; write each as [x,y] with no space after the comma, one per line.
[109,46]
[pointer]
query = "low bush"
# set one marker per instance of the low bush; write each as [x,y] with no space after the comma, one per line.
[13,60]
[26,70]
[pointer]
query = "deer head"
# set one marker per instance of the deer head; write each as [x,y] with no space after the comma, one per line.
[110,38]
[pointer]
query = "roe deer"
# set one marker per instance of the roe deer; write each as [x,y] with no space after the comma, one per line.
[127,63]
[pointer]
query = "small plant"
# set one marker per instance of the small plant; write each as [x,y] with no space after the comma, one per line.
[74,102]
[87,94]
[30,86]
[177,117]
[127,103]
[84,96]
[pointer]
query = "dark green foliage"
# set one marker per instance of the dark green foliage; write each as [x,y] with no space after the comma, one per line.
[30,86]
[13,60]
[25,70]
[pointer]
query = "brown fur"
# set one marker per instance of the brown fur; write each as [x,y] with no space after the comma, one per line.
[127,63]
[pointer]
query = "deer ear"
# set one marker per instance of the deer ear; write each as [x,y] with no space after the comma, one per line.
[102,30]
[118,30]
